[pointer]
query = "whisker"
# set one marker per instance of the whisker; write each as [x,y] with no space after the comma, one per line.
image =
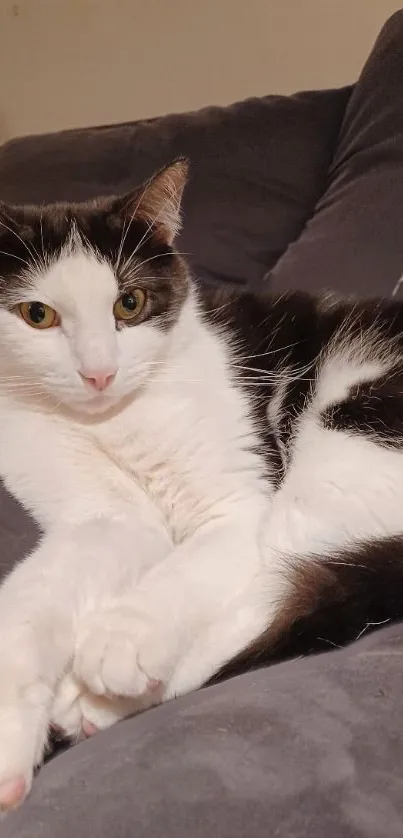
[30,251]
[256,370]
[148,233]
[159,256]
[372,625]
[55,407]
[248,382]
[13,256]
[19,385]
[45,261]
[20,381]
[169,381]
[271,351]
[125,231]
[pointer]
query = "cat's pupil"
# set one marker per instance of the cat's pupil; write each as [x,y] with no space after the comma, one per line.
[129,302]
[37,312]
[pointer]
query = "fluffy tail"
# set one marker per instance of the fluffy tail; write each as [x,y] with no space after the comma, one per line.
[334,600]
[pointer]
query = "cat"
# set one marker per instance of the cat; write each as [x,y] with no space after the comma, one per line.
[217,474]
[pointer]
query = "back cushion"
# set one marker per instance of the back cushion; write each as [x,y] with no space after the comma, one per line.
[258,167]
[354,241]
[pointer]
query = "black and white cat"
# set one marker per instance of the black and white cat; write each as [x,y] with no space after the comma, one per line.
[218,475]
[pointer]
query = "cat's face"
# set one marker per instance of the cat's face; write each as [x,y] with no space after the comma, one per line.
[89,294]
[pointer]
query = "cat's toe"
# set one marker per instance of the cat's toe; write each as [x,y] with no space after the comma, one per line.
[106,662]
[89,729]
[77,714]
[100,712]
[106,656]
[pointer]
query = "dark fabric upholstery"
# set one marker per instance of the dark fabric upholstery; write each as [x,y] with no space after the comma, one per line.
[354,241]
[249,194]
[312,748]
[305,192]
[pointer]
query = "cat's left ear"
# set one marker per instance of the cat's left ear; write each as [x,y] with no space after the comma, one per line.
[158,201]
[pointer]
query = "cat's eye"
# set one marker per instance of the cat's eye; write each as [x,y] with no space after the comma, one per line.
[129,305]
[38,315]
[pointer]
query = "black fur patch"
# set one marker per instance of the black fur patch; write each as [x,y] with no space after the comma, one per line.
[28,235]
[334,600]
[373,409]
[279,336]
[269,335]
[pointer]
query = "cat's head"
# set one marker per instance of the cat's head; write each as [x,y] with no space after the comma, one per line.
[89,293]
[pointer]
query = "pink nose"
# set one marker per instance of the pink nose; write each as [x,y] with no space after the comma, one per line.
[99,379]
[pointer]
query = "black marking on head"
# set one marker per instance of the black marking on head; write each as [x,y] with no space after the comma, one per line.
[133,233]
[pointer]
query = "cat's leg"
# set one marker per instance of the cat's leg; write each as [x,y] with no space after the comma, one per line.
[36,632]
[233,630]
[338,486]
[140,639]
[72,572]
[341,490]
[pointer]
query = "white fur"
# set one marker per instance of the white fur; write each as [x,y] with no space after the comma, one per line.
[146,492]
[163,545]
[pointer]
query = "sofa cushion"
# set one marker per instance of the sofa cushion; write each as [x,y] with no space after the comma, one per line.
[258,168]
[309,748]
[354,240]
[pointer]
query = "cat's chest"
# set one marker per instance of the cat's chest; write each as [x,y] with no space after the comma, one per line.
[159,450]
[191,456]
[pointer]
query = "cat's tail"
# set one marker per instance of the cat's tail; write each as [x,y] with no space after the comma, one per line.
[333,600]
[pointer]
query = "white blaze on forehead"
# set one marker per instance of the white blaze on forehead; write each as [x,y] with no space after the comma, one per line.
[82,289]
[78,282]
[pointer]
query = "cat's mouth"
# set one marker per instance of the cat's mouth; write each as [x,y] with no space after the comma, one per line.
[100,401]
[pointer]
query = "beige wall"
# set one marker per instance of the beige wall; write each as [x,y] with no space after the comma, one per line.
[78,62]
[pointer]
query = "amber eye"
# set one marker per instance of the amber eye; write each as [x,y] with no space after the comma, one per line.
[129,305]
[38,315]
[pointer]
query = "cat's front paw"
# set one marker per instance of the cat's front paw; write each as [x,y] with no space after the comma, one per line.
[77,714]
[106,656]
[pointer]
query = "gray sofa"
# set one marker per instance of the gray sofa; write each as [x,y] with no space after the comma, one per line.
[303,191]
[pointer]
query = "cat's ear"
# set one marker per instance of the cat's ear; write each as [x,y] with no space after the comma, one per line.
[158,201]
